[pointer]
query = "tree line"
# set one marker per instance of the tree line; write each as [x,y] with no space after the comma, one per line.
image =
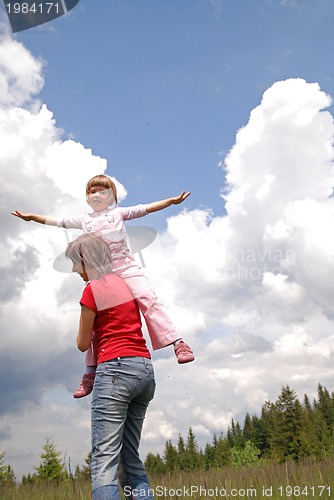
[52,469]
[286,430]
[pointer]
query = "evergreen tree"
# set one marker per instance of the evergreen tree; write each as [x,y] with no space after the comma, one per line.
[85,471]
[191,454]
[312,446]
[7,476]
[325,405]
[285,426]
[234,435]
[51,467]
[248,428]
[259,434]
[154,463]
[170,457]
[209,456]
[322,420]
[285,430]
[222,449]
[181,453]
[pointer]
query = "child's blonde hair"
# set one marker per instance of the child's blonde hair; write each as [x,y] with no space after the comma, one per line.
[102,181]
[92,252]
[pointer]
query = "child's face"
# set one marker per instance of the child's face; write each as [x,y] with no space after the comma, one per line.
[80,269]
[99,198]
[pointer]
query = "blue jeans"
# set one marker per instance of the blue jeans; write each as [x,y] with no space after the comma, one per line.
[123,388]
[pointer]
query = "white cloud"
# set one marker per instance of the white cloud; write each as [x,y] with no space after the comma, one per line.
[250,291]
[18,82]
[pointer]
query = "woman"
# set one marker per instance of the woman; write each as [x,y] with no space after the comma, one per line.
[124,382]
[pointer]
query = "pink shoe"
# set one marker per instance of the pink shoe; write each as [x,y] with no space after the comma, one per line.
[86,386]
[183,352]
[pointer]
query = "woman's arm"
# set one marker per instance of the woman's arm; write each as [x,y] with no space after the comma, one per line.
[86,323]
[155,206]
[41,219]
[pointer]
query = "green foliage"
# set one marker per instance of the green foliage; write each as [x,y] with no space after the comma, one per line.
[7,476]
[154,463]
[246,456]
[171,457]
[84,472]
[51,468]
[286,430]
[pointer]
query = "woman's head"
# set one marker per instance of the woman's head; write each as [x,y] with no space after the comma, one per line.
[101,186]
[90,255]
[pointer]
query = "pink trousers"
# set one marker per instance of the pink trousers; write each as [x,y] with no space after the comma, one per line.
[160,328]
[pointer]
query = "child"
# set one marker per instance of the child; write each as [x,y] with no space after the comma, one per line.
[107,219]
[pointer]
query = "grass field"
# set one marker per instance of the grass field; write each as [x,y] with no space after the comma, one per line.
[290,480]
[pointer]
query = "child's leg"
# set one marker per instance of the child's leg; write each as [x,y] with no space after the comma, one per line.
[160,327]
[87,381]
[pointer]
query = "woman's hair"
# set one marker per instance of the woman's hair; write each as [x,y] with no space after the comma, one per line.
[102,181]
[91,251]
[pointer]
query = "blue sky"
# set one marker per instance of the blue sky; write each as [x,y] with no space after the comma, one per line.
[230,96]
[159,89]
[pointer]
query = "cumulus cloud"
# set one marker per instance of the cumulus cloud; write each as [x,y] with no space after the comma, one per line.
[41,173]
[250,291]
[258,279]
[18,83]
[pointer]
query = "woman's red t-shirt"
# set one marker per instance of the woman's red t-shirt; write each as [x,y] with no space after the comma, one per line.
[117,324]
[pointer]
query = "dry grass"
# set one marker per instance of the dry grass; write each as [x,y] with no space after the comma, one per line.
[277,481]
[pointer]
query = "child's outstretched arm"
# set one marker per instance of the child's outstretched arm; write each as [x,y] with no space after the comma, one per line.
[41,219]
[155,206]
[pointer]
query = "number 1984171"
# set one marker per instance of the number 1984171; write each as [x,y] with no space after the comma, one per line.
[34,8]
[305,491]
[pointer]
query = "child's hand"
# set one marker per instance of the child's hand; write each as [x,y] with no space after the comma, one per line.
[179,199]
[26,217]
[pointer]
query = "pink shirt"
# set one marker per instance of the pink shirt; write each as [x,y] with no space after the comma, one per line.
[110,224]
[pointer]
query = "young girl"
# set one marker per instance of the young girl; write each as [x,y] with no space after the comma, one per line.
[107,219]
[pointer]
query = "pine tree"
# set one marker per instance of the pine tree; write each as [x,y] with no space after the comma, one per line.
[7,476]
[181,453]
[84,472]
[323,421]
[154,463]
[235,436]
[51,467]
[209,457]
[259,434]
[248,428]
[311,444]
[285,426]
[222,449]
[170,457]
[191,454]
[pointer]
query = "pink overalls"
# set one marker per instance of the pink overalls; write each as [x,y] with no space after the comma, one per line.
[110,225]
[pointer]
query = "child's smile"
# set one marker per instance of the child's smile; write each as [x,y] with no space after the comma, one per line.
[99,198]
